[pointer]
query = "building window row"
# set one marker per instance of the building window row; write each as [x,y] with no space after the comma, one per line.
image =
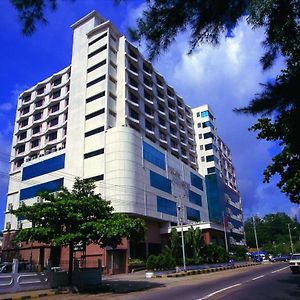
[94,153]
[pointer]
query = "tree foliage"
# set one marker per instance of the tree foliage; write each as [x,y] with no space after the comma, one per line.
[272,233]
[278,104]
[77,216]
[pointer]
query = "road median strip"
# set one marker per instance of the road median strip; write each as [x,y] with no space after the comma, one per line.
[202,271]
[33,295]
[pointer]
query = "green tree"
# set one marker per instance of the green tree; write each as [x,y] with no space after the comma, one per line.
[193,243]
[278,104]
[175,245]
[68,217]
[272,232]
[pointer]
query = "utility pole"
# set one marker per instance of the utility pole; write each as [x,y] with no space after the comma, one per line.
[180,218]
[225,232]
[255,234]
[291,241]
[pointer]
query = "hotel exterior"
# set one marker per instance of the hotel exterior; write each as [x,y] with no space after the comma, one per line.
[111,117]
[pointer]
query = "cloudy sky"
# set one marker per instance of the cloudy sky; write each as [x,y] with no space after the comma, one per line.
[224,77]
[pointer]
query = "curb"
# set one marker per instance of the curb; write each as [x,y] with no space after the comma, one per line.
[35,296]
[203,271]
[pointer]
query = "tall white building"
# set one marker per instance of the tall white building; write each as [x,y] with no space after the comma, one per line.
[110,117]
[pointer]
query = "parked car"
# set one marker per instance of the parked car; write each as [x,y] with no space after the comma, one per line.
[280,258]
[295,263]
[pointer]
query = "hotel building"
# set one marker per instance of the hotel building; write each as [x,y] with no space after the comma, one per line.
[111,117]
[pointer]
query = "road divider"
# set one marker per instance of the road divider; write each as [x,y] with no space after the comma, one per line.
[203,271]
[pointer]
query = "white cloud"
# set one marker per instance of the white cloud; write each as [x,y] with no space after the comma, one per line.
[226,77]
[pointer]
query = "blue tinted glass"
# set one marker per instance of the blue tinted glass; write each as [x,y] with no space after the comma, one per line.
[50,186]
[166,206]
[208,135]
[195,198]
[154,156]
[204,114]
[44,167]
[207,124]
[160,182]
[196,181]
[210,158]
[211,170]
[193,214]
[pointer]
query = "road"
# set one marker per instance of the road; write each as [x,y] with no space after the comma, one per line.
[269,281]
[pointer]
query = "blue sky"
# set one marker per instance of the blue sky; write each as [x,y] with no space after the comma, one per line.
[225,77]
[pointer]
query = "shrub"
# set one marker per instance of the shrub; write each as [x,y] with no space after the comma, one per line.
[151,262]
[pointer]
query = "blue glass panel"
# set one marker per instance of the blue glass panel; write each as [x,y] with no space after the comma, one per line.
[50,186]
[192,214]
[166,206]
[154,156]
[211,170]
[195,198]
[208,124]
[206,113]
[44,167]
[196,181]
[160,182]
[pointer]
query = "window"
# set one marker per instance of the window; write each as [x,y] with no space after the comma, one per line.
[211,170]
[94,114]
[21,149]
[40,90]
[97,178]
[95,97]
[166,206]
[56,95]
[50,186]
[53,122]
[37,116]
[27,98]
[146,68]
[148,110]
[25,110]
[159,82]
[24,123]
[94,153]
[57,81]
[133,114]
[36,129]
[97,51]
[39,103]
[54,108]
[133,68]
[196,181]
[95,81]
[207,124]
[201,147]
[210,158]
[98,39]
[195,198]
[147,82]
[44,167]
[96,66]
[206,113]
[193,214]
[65,131]
[52,136]
[162,136]
[112,113]
[200,136]
[208,146]
[160,182]
[198,114]
[132,53]
[154,156]
[19,162]
[94,131]
[208,135]
[35,143]
[199,125]
[161,121]
[22,136]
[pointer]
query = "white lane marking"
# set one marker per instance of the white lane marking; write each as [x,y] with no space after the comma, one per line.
[280,270]
[220,291]
[258,277]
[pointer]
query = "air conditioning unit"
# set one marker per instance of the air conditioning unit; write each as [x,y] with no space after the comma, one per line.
[60,148]
[8,226]
[10,206]
[53,149]
[27,159]
[19,225]
[48,151]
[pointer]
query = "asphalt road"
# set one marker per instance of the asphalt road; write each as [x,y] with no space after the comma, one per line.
[269,281]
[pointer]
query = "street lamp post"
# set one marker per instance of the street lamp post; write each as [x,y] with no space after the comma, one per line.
[180,213]
[291,241]
[255,234]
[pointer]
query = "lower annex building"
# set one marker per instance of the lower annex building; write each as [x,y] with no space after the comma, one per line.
[111,117]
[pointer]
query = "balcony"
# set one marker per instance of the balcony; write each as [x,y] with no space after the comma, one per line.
[132,102]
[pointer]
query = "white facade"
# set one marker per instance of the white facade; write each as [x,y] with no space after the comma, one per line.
[110,117]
